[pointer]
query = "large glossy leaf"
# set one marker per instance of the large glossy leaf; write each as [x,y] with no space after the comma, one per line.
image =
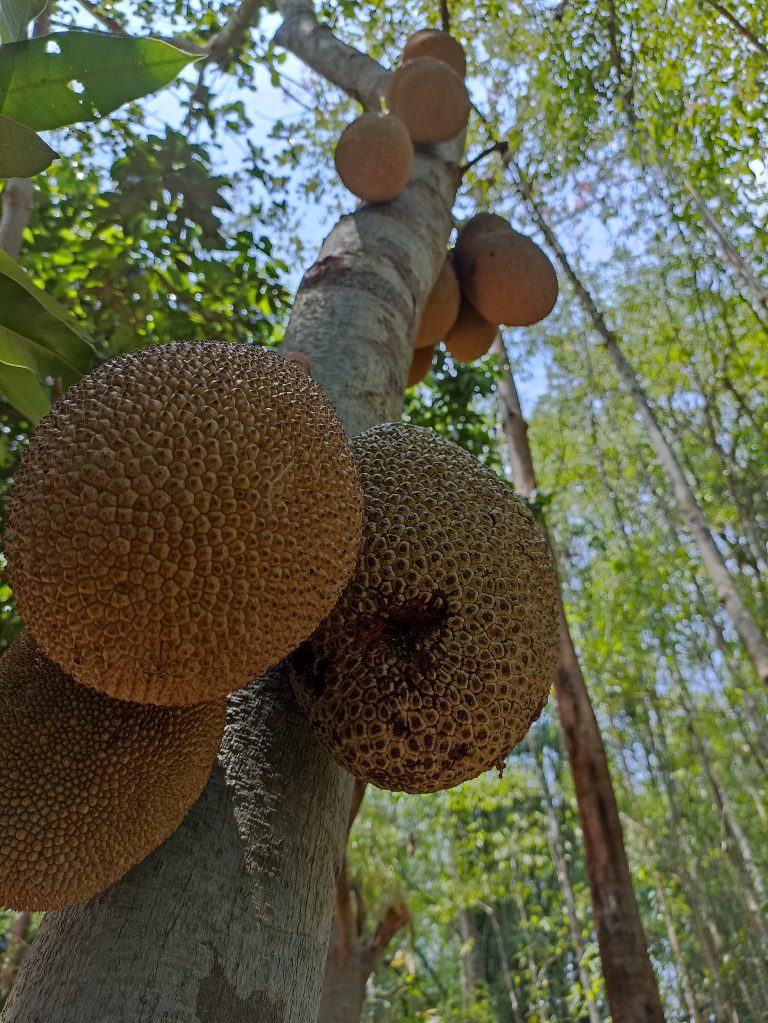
[76,76]
[24,391]
[15,15]
[37,341]
[22,153]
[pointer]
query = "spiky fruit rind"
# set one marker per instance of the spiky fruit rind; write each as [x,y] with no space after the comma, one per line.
[422,360]
[442,649]
[471,335]
[89,785]
[506,276]
[374,157]
[433,42]
[181,520]
[429,98]
[441,309]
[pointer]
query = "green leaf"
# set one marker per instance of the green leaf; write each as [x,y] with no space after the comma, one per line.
[22,153]
[15,15]
[77,76]
[36,333]
[24,391]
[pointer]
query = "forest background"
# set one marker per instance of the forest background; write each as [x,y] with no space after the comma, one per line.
[636,135]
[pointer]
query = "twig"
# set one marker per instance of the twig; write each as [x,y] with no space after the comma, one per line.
[445,15]
[740,27]
[113,26]
[497,147]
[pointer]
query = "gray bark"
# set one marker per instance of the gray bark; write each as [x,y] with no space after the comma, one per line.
[228,921]
[751,636]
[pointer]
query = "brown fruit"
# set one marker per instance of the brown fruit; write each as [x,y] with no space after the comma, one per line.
[441,309]
[432,42]
[505,275]
[442,649]
[374,157]
[429,98]
[422,360]
[471,336]
[89,785]
[183,518]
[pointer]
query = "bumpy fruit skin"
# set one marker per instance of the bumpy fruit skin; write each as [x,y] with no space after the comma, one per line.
[441,652]
[506,276]
[471,336]
[429,98]
[432,42]
[181,520]
[441,309]
[374,157]
[89,786]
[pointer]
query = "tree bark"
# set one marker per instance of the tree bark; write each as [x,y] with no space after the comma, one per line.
[228,921]
[751,636]
[629,980]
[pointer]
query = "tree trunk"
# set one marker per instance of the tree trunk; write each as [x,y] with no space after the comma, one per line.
[629,981]
[228,921]
[751,636]
[350,960]
[689,994]
[561,866]
[737,846]
[506,976]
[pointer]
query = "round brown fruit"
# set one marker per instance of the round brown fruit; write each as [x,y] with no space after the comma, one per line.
[471,336]
[89,785]
[442,649]
[374,157]
[505,275]
[429,98]
[422,360]
[432,42]
[181,520]
[441,309]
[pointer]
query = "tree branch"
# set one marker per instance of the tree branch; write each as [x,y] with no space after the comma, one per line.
[357,74]
[358,794]
[445,16]
[226,40]
[740,27]
[394,919]
[113,26]
[345,925]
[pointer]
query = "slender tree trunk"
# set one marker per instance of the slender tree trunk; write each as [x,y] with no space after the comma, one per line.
[757,291]
[351,958]
[629,981]
[229,919]
[506,977]
[738,846]
[706,931]
[689,993]
[539,993]
[472,973]
[751,636]
[15,953]
[561,866]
